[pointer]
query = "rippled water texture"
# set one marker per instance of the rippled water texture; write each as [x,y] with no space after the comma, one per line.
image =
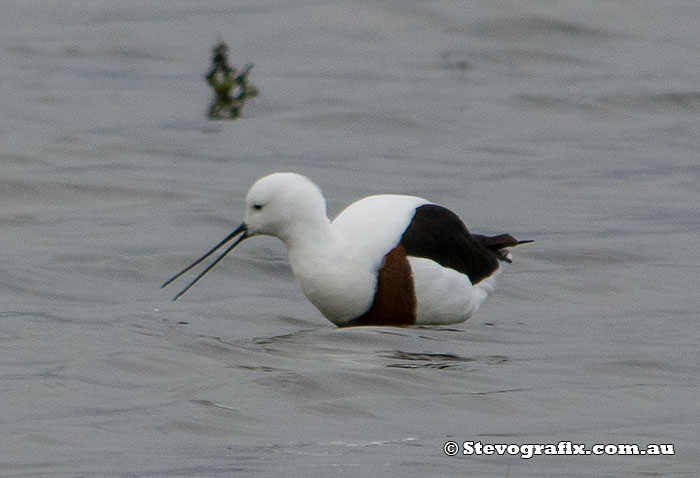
[571,123]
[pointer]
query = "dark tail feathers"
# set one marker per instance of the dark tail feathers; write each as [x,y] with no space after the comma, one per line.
[498,244]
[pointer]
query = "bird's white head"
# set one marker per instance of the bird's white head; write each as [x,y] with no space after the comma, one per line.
[283,205]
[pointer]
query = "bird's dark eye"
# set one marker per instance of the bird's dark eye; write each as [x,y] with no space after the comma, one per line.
[257,207]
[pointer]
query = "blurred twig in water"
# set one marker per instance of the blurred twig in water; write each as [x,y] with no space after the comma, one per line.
[231,89]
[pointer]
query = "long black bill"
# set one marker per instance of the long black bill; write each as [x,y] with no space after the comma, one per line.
[239,230]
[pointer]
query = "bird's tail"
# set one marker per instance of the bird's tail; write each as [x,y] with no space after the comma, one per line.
[499,244]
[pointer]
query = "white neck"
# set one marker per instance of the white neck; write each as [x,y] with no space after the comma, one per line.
[305,237]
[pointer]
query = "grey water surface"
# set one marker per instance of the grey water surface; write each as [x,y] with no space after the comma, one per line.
[576,124]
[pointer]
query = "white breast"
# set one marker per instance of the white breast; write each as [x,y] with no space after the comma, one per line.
[339,277]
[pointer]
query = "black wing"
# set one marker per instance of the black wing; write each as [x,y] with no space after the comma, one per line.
[438,234]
